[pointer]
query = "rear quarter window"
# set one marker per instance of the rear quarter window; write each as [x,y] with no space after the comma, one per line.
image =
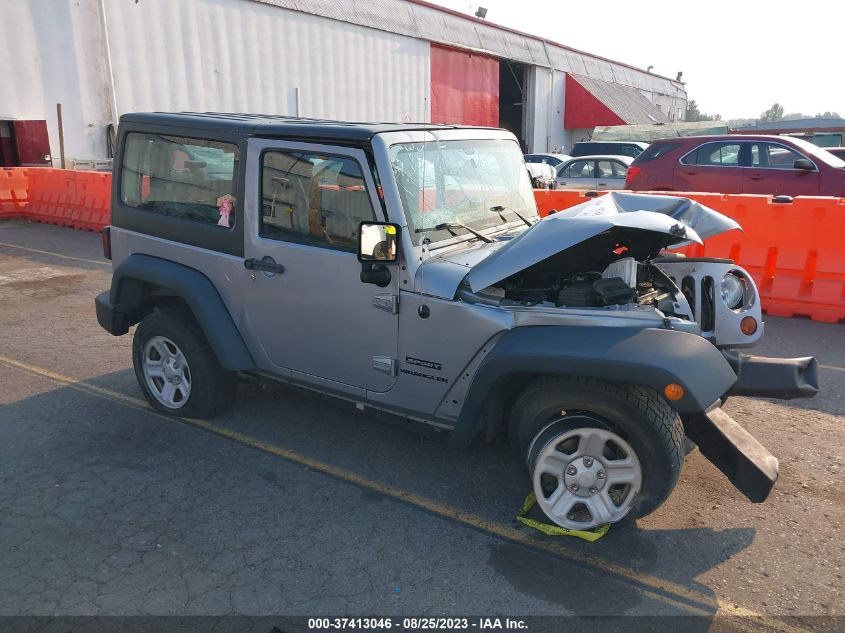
[188,178]
[656,150]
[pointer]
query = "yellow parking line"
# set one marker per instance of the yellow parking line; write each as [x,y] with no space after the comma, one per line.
[659,589]
[40,252]
[832,367]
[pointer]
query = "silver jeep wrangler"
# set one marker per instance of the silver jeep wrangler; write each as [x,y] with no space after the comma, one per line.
[404,268]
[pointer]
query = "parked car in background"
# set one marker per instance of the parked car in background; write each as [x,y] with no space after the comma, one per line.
[608,148]
[555,160]
[839,152]
[772,165]
[594,172]
[542,175]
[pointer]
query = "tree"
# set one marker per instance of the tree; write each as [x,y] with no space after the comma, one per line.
[828,115]
[694,114]
[775,113]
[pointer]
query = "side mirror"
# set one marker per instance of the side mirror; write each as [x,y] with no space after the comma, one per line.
[804,164]
[378,242]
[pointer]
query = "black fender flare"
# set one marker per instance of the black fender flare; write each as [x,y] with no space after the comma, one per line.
[650,357]
[114,311]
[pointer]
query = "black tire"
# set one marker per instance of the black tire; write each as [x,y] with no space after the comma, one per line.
[637,414]
[212,387]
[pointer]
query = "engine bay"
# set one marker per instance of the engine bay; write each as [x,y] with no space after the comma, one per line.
[599,272]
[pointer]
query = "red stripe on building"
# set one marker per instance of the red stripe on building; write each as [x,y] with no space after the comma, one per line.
[464,87]
[584,110]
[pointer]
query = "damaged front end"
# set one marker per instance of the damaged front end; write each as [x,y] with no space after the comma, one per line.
[609,257]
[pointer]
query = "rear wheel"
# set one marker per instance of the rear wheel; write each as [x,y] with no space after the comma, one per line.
[596,452]
[176,368]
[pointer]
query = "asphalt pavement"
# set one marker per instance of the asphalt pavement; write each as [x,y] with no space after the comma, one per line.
[296,504]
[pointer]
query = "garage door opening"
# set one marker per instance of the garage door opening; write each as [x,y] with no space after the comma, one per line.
[512,99]
[24,143]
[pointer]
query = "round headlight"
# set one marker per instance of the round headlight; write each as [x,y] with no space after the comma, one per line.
[733,291]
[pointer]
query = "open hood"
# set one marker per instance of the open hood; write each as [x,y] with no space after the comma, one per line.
[655,221]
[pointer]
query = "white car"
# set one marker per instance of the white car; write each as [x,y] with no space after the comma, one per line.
[593,172]
[542,175]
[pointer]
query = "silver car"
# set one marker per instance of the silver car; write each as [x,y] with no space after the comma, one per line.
[596,173]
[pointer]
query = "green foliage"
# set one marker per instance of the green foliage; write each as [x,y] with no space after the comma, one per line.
[694,114]
[775,113]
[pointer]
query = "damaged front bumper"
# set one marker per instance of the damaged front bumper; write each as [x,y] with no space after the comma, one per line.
[781,378]
[746,463]
[732,449]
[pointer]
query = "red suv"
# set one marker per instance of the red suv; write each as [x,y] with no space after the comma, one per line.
[774,165]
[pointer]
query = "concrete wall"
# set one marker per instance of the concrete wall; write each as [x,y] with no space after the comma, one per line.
[199,55]
[244,56]
[546,93]
[51,51]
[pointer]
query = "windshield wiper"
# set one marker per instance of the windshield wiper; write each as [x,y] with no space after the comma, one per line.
[451,226]
[499,208]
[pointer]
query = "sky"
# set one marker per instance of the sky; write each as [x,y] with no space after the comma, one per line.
[739,57]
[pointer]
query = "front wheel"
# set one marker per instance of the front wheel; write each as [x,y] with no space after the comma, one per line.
[176,368]
[596,452]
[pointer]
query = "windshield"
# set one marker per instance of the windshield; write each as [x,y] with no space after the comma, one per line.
[467,182]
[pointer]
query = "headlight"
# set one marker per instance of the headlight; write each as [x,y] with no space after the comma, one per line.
[733,291]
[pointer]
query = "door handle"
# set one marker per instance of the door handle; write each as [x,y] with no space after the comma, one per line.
[691,173]
[756,177]
[602,184]
[266,265]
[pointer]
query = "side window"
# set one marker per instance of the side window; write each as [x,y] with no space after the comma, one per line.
[186,178]
[580,169]
[620,170]
[773,156]
[714,154]
[611,169]
[314,199]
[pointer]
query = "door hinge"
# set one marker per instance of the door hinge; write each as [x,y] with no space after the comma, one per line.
[387,301]
[385,365]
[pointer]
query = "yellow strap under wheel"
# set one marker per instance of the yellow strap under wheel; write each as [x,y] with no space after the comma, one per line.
[555,530]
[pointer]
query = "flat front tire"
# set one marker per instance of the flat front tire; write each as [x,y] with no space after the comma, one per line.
[596,452]
[176,368]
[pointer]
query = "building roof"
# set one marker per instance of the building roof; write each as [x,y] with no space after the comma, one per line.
[653,131]
[275,125]
[423,20]
[627,103]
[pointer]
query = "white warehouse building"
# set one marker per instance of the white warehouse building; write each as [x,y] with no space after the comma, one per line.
[379,60]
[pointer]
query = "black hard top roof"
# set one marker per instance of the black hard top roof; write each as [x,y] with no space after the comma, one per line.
[274,125]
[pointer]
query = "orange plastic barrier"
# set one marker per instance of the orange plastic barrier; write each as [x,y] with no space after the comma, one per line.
[793,250]
[13,192]
[91,207]
[80,199]
[51,195]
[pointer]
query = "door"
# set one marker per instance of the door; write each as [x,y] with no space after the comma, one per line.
[772,171]
[32,143]
[306,305]
[610,174]
[578,174]
[713,167]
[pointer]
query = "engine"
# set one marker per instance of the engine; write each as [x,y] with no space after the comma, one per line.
[623,282]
